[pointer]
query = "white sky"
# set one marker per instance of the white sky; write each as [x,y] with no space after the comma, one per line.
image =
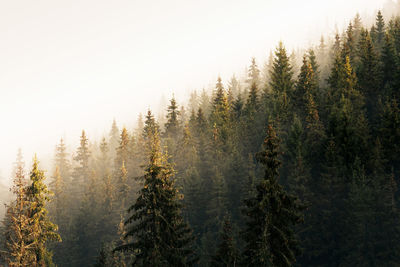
[72,65]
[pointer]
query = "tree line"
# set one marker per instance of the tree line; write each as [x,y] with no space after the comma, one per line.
[289,166]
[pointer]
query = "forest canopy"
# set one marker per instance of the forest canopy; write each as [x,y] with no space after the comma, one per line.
[297,164]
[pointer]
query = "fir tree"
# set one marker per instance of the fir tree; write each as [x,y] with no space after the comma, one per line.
[17,223]
[172,127]
[156,233]
[271,214]
[305,86]
[227,253]
[81,171]
[369,74]
[380,30]
[113,139]
[43,230]
[281,82]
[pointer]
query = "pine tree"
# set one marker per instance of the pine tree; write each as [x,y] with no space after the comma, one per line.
[122,151]
[281,82]
[57,186]
[389,132]
[312,58]
[305,86]
[253,73]
[156,233]
[227,253]
[62,185]
[336,47]
[357,25]
[43,230]
[380,30]
[233,89]
[219,117]
[349,45]
[251,124]
[369,75]
[17,224]
[299,173]
[81,171]
[389,66]
[61,160]
[122,161]
[113,139]
[172,126]
[271,214]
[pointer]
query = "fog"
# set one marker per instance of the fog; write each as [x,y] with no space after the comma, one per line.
[72,65]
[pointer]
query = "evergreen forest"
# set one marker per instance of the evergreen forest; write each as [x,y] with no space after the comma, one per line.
[295,164]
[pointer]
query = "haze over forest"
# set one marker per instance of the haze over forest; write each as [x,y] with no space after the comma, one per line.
[183,133]
[68,66]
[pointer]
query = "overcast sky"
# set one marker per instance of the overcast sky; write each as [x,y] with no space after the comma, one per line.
[72,65]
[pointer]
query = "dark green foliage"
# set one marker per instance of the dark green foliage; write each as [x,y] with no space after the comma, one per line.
[338,117]
[369,74]
[380,30]
[156,233]
[227,254]
[271,214]
[281,82]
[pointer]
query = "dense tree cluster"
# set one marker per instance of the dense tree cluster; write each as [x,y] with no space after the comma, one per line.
[290,165]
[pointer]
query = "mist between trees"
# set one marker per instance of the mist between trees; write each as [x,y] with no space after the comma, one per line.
[298,164]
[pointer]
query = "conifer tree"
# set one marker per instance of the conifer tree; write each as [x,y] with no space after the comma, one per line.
[389,66]
[57,186]
[357,25]
[61,160]
[122,161]
[305,86]
[380,31]
[251,122]
[227,253]
[336,47]
[389,132]
[312,58]
[349,45]
[233,89]
[271,214]
[62,185]
[81,171]
[281,82]
[220,111]
[369,74]
[43,230]
[156,232]
[113,139]
[253,73]
[173,127]
[17,224]
[122,152]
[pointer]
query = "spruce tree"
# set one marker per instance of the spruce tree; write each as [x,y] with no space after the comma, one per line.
[281,83]
[81,171]
[156,232]
[220,117]
[172,127]
[113,139]
[369,75]
[305,85]
[43,230]
[271,215]
[227,253]
[17,223]
[380,30]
